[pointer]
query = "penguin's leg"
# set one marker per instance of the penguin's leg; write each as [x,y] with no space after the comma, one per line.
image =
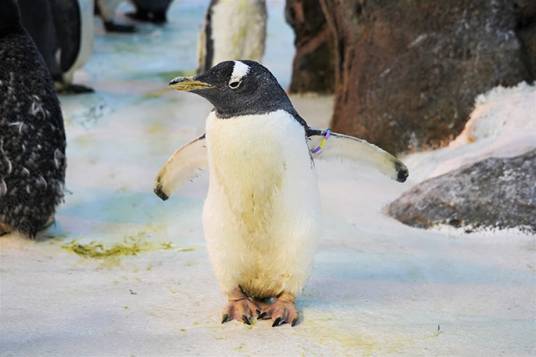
[281,311]
[239,307]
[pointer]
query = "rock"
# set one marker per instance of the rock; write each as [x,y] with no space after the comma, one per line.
[313,65]
[492,193]
[528,37]
[407,72]
[526,14]
[526,11]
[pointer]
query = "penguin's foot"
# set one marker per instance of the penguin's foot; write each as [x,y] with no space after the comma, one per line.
[239,308]
[281,311]
[69,88]
[111,26]
[156,17]
[5,229]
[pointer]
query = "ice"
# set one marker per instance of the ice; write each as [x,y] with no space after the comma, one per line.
[378,287]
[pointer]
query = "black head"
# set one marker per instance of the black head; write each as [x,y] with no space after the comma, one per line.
[9,17]
[237,88]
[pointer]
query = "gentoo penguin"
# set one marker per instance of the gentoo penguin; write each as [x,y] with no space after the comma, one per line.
[261,214]
[106,9]
[233,29]
[63,31]
[32,137]
[154,11]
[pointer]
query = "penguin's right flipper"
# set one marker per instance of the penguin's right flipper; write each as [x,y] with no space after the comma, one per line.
[182,166]
[355,149]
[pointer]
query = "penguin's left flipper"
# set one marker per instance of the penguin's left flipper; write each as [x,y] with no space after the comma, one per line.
[355,149]
[184,165]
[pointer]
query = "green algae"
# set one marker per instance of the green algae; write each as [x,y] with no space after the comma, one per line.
[167,245]
[132,245]
[185,250]
[98,250]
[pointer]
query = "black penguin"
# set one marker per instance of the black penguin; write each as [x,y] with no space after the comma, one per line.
[57,30]
[106,10]
[32,136]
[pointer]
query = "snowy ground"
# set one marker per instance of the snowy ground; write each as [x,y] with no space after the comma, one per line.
[378,287]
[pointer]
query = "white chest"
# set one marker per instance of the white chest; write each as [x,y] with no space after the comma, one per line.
[253,162]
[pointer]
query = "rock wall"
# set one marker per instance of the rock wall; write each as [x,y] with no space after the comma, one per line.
[526,30]
[313,65]
[406,72]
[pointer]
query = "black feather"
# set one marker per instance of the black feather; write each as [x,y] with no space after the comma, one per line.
[32,136]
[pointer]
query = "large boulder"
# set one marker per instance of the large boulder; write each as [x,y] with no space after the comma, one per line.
[313,65]
[494,193]
[407,72]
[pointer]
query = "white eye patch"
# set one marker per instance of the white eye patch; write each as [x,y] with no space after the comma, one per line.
[240,69]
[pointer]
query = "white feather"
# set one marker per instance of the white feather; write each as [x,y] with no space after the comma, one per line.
[240,69]
[261,213]
[183,165]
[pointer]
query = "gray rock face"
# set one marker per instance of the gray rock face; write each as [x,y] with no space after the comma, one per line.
[493,193]
[526,30]
[407,72]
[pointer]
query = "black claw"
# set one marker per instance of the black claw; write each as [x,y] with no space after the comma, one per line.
[246,320]
[276,322]
[262,315]
[294,322]
[226,318]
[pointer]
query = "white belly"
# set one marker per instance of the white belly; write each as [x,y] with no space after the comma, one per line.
[261,214]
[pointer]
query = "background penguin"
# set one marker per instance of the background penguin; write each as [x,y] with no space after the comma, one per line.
[150,10]
[261,214]
[32,137]
[63,31]
[106,10]
[233,29]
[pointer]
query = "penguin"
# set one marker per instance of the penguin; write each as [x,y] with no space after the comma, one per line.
[154,11]
[32,136]
[233,29]
[63,31]
[261,214]
[106,10]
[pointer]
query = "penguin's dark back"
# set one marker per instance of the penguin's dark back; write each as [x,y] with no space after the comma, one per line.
[32,136]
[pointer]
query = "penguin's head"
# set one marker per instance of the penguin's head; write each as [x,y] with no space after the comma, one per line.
[9,17]
[237,88]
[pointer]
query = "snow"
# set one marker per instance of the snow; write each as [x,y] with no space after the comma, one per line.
[378,287]
[503,124]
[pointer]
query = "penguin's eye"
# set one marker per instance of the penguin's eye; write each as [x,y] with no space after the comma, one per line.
[234,84]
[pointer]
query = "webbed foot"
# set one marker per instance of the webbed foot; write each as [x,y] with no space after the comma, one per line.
[281,311]
[239,308]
